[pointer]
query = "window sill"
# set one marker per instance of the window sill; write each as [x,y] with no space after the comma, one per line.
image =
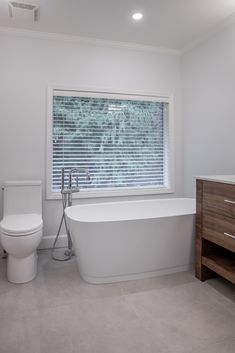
[113,193]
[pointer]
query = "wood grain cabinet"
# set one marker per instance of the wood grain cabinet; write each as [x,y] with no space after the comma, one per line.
[215,230]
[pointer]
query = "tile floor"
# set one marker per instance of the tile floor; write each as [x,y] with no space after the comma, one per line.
[59,313]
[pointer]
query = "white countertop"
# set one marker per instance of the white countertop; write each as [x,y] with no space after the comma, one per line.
[227,179]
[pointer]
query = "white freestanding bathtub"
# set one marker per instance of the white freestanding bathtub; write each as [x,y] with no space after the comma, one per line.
[118,241]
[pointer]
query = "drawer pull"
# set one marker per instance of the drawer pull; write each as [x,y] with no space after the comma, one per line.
[230,235]
[230,201]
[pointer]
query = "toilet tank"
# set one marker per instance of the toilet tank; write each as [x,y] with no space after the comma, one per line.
[22,197]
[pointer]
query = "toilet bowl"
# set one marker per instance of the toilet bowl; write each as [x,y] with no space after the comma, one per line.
[21,233]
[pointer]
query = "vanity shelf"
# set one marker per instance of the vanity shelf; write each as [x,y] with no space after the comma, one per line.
[222,265]
[215,229]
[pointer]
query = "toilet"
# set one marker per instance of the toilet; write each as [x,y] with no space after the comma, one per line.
[21,228]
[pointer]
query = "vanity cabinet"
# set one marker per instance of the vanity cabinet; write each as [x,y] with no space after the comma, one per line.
[215,229]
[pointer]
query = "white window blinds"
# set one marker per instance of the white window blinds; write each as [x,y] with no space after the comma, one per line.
[122,141]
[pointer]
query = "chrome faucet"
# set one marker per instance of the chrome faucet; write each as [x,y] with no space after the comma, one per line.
[76,189]
[70,189]
[77,170]
[66,193]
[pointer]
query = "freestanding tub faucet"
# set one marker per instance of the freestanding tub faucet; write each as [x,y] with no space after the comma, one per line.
[70,186]
[67,201]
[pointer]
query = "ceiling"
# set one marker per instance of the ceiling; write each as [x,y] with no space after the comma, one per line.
[172,24]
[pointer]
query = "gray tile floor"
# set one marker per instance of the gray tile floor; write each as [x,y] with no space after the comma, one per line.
[59,313]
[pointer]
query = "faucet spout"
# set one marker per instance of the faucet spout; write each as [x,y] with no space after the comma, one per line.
[78,170]
[70,189]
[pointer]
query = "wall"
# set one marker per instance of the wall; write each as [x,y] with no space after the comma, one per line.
[27,65]
[208,93]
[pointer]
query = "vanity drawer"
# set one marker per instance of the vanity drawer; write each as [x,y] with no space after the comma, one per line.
[219,197]
[219,229]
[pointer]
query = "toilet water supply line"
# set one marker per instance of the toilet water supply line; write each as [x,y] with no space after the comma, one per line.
[67,202]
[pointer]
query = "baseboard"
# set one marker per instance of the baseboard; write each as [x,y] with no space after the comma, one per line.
[48,241]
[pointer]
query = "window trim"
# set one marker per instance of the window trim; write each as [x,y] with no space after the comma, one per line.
[114,94]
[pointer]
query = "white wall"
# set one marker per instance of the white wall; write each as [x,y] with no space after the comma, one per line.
[208,79]
[27,65]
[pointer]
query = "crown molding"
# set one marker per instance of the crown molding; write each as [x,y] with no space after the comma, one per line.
[116,44]
[85,40]
[197,42]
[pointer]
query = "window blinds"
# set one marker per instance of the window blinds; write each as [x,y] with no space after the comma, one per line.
[122,142]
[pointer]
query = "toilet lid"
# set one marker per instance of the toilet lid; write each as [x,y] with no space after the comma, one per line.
[21,224]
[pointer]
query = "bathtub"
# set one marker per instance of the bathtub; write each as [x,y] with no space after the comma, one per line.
[118,241]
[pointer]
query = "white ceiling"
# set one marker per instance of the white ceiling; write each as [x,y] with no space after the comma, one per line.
[172,24]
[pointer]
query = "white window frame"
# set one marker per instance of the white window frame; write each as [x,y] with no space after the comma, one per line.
[98,93]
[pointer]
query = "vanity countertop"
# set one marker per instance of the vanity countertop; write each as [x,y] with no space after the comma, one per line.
[226,179]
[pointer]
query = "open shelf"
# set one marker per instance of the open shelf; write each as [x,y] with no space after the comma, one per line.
[223,265]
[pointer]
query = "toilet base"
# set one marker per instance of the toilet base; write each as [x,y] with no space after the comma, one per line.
[21,269]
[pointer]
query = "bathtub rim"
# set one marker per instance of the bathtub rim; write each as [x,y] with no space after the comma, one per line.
[68,210]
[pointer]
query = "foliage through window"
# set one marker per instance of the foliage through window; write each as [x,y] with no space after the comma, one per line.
[122,140]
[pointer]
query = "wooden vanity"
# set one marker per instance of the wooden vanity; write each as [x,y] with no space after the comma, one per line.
[215,228]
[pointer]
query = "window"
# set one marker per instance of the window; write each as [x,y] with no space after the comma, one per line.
[123,140]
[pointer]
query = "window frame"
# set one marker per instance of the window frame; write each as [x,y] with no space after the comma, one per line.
[105,93]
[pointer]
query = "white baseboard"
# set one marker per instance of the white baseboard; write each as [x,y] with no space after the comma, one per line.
[48,241]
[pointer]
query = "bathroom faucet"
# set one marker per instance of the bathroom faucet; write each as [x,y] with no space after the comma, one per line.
[77,170]
[66,193]
[70,189]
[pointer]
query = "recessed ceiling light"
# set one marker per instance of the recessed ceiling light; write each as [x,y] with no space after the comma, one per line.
[137,16]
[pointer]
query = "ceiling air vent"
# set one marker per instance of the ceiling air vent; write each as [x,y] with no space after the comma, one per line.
[19,7]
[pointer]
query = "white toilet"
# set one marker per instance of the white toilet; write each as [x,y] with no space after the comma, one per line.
[21,228]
